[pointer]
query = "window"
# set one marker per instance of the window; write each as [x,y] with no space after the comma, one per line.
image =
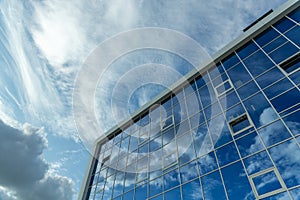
[167,122]
[223,87]
[170,160]
[266,183]
[240,124]
[291,65]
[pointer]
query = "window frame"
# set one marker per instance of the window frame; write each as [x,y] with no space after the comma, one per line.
[238,119]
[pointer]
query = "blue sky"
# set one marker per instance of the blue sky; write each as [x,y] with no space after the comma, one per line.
[43,45]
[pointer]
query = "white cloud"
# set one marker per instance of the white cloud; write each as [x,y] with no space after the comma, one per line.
[24,172]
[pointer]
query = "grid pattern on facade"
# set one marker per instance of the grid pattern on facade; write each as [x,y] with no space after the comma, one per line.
[252,97]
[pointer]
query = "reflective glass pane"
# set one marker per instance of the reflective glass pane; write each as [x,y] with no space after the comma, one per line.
[219,131]
[278,88]
[274,133]
[212,110]
[186,148]
[197,119]
[141,192]
[192,191]
[248,90]
[173,194]
[270,77]
[293,122]
[284,24]
[235,112]
[230,61]
[207,163]
[260,110]
[128,195]
[296,193]
[294,35]
[267,182]
[286,100]
[193,104]
[207,95]
[171,179]
[286,158]
[155,186]
[212,186]
[249,144]
[258,162]
[202,142]
[217,71]
[227,154]
[238,75]
[283,52]
[229,100]
[220,79]
[295,15]
[274,44]
[247,49]
[258,63]
[188,172]
[266,36]
[236,182]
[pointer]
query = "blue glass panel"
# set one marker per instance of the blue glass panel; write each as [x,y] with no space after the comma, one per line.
[159,197]
[193,104]
[247,49]
[294,35]
[171,179]
[295,15]
[278,88]
[201,81]
[219,131]
[212,110]
[274,44]
[202,141]
[167,103]
[183,127]
[212,186]
[283,195]
[229,100]
[207,163]
[224,87]
[236,182]
[296,193]
[118,186]
[274,133]
[286,158]
[197,119]
[173,194]
[189,89]
[217,81]
[188,172]
[286,100]
[293,122]
[207,95]
[258,63]
[155,144]
[269,77]
[238,75]
[168,135]
[283,52]
[296,77]
[155,186]
[230,61]
[129,181]
[186,148]
[258,162]
[249,144]
[227,154]
[129,195]
[235,112]
[267,182]
[266,36]
[248,90]
[192,191]
[260,110]
[141,192]
[284,24]
[218,70]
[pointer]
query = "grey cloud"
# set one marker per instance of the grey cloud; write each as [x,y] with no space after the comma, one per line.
[23,171]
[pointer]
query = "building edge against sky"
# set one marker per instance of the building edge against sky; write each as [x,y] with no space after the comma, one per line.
[220,56]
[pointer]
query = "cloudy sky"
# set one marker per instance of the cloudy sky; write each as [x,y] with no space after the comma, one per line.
[43,46]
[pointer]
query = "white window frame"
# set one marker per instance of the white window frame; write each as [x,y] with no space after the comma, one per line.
[164,120]
[222,84]
[236,119]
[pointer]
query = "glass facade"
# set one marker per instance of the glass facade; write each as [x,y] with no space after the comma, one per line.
[231,133]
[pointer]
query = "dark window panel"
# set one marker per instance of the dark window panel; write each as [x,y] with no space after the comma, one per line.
[229,100]
[291,64]
[295,15]
[173,194]
[217,71]
[188,172]
[235,112]
[286,100]
[274,44]
[207,163]
[238,75]
[219,131]
[295,77]
[248,90]
[269,77]
[283,52]
[230,61]
[266,37]
[247,50]
[293,122]
[278,88]
[258,63]
[192,191]
[227,154]
[284,24]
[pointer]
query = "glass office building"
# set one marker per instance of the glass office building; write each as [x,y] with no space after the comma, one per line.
[231,132]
